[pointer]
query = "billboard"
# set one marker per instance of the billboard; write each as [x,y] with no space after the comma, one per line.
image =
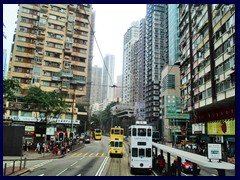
[221,127]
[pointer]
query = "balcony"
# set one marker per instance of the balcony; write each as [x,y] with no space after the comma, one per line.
[66,73]
[44,8]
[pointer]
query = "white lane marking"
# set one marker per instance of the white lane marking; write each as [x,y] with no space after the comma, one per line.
[102,166]
[41,164]
[74,163]
[213,174]
[155,174]
[79,175]
[61,172]
[41,175]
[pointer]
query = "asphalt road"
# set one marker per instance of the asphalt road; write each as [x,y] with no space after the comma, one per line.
[93,160]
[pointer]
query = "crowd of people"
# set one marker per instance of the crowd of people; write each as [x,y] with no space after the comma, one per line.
[50,147]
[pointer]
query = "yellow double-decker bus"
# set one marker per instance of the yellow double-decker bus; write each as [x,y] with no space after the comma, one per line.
[116,141]
[97,134]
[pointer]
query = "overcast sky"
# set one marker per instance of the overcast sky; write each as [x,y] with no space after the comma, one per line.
[111,23]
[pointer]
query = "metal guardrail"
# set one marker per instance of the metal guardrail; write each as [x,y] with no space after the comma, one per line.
[22,165]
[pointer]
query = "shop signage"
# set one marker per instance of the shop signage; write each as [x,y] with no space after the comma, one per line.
[33,119]
[198,128]
[29,128]
[177,116]
[214,151]
[50,131]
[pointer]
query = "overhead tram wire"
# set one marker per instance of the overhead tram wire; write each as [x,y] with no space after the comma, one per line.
[98,47]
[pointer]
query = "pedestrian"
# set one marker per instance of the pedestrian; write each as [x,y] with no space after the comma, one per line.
[174,169]
[38,148]
[55,149]
[161,164]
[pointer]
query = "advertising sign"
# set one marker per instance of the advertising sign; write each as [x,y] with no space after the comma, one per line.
[214,151]
[50,131]
[221,127]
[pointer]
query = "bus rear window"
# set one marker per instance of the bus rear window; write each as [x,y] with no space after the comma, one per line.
[141,153]
[148,152]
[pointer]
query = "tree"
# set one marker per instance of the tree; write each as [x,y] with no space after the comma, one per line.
[51,104]
[106,116]
[10,87]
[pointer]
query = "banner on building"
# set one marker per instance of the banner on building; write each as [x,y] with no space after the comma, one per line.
[221,127]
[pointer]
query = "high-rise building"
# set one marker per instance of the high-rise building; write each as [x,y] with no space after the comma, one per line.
[173,31]
[207,43]
[156,59]
[52,50]
[118,90]
[108,79]
[129,64]
[5,64]
[96,85]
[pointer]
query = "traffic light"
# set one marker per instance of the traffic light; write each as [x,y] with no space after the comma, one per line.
[60,136]
[71,136]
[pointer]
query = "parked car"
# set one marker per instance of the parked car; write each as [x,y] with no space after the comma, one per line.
[86,139]
[187,166]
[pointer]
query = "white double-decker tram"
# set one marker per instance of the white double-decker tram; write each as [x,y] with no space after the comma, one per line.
[140,147]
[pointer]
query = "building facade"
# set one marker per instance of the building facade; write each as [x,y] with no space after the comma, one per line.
[207,44]
[5,64]
[96,92]
[173,34]
[51,50]
[129,57]
[156,58]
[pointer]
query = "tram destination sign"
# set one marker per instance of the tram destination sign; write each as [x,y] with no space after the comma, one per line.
[177,116]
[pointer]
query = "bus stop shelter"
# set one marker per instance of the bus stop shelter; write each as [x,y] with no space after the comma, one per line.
[194,158]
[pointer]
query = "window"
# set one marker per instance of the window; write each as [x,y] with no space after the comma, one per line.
[13,113]
[134,152]
[23,29]
[52,17]
[26,113]
[47,73]
[141,132]
[21,38]
[149,132]
[68,116]
[20,48]
[141,153]
[45,83]
[134,132]
[36,71]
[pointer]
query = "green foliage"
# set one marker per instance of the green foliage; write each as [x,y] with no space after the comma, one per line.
[51,103]
[10,87]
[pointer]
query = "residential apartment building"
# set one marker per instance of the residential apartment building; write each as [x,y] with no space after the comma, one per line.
[51,50]
[207,43]
[173,34]
[156,58]
[129,57]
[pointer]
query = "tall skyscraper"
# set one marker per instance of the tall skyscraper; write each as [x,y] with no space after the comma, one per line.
[173,34]
[156,59]
[108,78]
[51,50]
[129,78]
[96,85]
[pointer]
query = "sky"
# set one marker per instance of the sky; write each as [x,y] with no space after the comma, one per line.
[111,23]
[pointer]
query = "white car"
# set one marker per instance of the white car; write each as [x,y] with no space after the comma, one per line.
[191,146]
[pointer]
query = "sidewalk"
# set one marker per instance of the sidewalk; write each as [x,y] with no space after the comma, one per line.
[31,155]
